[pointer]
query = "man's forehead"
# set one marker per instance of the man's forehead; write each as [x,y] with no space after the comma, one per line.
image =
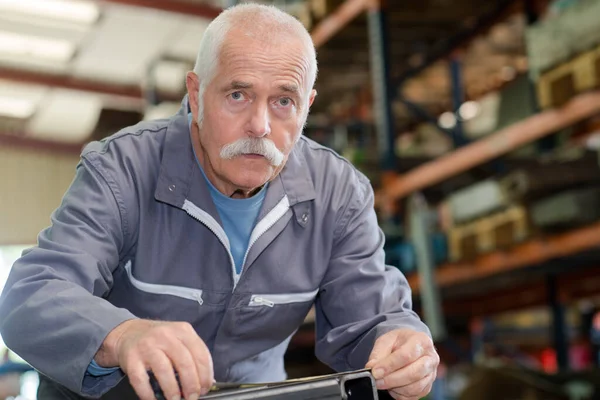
[276,64]
[290,53]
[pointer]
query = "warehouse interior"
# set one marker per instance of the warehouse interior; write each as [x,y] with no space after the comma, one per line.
[477,123]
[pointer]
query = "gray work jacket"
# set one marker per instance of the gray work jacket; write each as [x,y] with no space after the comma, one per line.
[138,236]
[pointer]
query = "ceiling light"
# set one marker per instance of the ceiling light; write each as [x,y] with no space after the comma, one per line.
[447,120]
[85,12]
[16,108]
[25,46]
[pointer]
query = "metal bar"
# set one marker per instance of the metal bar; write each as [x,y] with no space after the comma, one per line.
[458,98]
[445,47]
[341,17]
[484,150]
[382,107]
[559,325]
[173,6]
[430,296]
[422,113]
[131,91]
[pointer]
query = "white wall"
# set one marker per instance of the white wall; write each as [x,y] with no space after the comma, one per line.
[32,184]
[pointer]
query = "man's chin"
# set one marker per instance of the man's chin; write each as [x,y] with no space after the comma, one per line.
[250,173]
[250,180]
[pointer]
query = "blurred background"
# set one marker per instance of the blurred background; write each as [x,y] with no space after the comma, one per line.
[478,123]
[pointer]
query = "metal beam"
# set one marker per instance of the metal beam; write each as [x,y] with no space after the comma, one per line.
[559,324]
[418,212]
[382,106]
[544,124]
[341,17]
[458,98]
[422,113]
[173,6]
[66,82]
[522,256]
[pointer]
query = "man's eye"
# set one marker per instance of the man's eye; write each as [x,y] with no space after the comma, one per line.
[237,96]
[286,101]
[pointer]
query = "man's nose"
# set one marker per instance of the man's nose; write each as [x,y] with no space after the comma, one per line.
[260,124]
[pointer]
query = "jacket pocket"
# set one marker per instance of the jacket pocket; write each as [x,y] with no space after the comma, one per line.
[178,291]
[202,308]
[271,300]
[266,320]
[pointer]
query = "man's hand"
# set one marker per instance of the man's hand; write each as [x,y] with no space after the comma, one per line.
[140,345]
[405,363]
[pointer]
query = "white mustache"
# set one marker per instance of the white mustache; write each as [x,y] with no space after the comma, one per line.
[263,147]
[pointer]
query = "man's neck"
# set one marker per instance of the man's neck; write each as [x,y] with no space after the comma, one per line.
[225,188]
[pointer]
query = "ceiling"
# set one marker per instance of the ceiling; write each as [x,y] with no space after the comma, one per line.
[72,75]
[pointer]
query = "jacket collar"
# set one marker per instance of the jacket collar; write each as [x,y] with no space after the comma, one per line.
[180,179]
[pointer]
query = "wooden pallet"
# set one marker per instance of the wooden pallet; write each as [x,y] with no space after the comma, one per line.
[500,230]
[558,85]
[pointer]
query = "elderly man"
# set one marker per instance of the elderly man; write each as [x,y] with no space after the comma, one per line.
[198,244]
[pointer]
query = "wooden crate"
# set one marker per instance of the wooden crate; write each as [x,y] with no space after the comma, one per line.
[500,230]
[557,86]
[552,41]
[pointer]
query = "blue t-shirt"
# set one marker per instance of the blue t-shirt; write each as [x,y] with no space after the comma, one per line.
[238,217]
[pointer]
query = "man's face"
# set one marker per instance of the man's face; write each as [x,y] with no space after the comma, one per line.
[259,93]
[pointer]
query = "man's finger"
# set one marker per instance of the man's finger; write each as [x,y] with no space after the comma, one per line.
[382,348]
[163,370]
[415,372]
[186,369]
[202,358]
[403,355]
[138,378]
[416,389]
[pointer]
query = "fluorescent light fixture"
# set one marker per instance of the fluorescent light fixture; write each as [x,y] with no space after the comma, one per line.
[85,12]
[26,46]
[16,108]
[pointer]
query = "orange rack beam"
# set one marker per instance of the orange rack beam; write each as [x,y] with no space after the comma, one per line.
[521,256]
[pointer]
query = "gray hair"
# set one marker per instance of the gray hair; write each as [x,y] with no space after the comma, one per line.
[253,18]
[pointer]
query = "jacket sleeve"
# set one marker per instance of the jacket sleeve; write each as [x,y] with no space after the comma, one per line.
[51,310]
[360,297]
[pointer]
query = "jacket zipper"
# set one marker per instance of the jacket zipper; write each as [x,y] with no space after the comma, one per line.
[260,301]
[270,300]
[207,220]
[178,291]
[263,226]
[267,223]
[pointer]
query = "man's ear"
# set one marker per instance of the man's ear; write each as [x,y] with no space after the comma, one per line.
[192,83]
[313,94]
